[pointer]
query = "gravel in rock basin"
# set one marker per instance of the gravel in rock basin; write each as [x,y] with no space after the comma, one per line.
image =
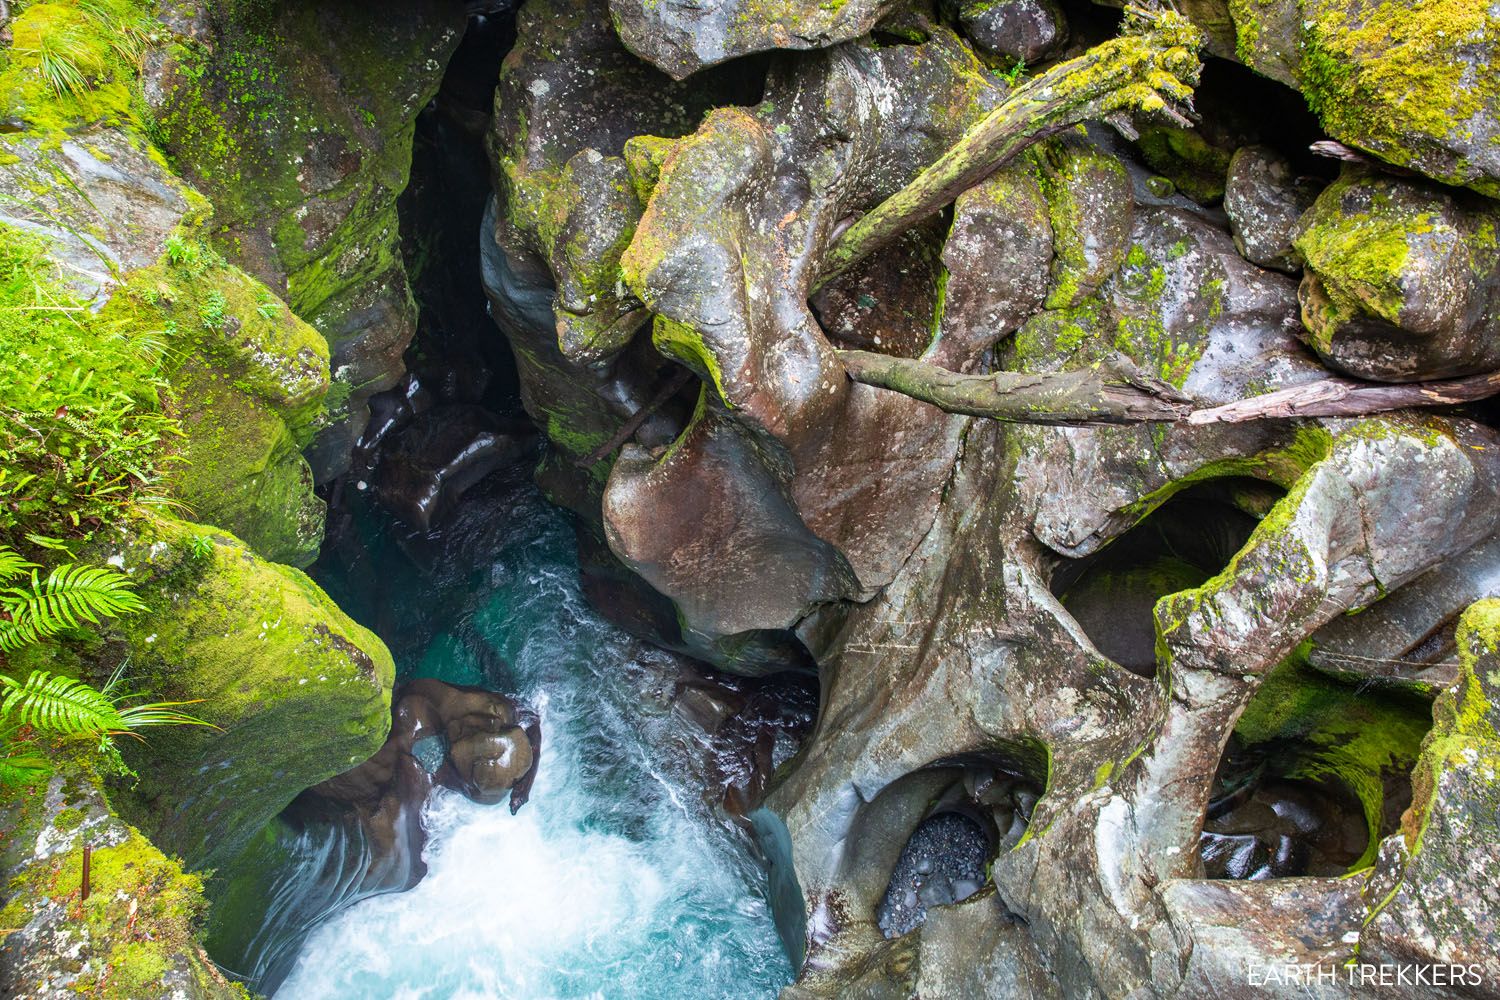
[942,863]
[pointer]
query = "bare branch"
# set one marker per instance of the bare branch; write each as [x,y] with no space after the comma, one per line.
[1347,398]
[669,388]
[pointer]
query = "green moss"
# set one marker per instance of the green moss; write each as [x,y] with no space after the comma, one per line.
[1386,74]
[1466,722]
[644,156]
[1315,728]
[247,380]
[299,690]
[682,342]
[1366,237]
[73,64]
[1195,167]
[140,922]
[68,819]
[1072,176]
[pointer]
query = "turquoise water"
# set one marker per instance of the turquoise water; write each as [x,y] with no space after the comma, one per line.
[615,880]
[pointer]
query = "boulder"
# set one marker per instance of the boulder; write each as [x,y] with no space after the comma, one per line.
[1402,281]
[1412,82]
[682,37]
[1025,31]
[1264,201]
[298,691]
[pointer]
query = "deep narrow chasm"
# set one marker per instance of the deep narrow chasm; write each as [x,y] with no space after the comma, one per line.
[625,767]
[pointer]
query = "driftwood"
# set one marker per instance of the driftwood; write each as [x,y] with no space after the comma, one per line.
[1113,394]
[1338,397]
[1149,70]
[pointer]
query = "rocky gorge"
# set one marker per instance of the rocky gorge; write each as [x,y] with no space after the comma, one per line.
[973,498]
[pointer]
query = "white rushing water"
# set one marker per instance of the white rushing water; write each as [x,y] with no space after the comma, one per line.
[613,881]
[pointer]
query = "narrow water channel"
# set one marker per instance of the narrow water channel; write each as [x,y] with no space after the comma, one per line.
[616,879]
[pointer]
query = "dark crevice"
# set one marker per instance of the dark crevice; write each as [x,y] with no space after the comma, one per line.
[1190,538]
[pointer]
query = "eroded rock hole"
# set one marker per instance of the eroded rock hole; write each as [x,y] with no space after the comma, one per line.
[1315,775]
[1181,545]
[982,813]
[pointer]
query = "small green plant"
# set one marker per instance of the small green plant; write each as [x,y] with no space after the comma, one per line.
[1013,75]
[200,547]
[267,309]
[213,310]
[123,24]
[178,251]
[63,56]
[47,706]
[82,422]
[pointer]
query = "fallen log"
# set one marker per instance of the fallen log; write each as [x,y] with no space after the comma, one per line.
[1114,393]
[1337,397]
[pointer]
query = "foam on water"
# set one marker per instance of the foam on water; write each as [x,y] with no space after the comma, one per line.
[613,881]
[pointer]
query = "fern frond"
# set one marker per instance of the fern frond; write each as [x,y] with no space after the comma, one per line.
[60,705]
[21,769]
[12,565]
[68,597]
[160,713]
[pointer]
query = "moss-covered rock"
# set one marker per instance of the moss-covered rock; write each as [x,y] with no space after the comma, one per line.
[1444,905]
[297,121]
[1317,729]
[248,379]
[135,935]
[1089,199]
[1399,281]
[1414,82]
[298,690]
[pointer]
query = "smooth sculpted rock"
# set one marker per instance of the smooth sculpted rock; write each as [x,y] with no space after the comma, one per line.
[477,742]
[726,255]
[1402,281]
[1102,881]
[1435,900]
[441,454]
[681,36]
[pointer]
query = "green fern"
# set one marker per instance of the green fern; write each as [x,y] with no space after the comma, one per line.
[63,706]
[12,565]
[57,705]
[69,596]
[19,770]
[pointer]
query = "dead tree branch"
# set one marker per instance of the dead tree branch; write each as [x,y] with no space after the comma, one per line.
[1346,398]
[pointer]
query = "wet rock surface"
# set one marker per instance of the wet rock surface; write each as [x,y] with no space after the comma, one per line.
[1401,281]
[1129,768]
[431,463]
[1264,200]
[1026,31]
[474,741]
